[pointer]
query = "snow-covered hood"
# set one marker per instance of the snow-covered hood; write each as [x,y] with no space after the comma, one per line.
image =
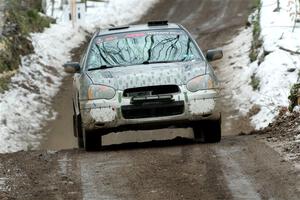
[148,75]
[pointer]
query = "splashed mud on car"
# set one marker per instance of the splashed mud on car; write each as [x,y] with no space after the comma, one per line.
[154,73]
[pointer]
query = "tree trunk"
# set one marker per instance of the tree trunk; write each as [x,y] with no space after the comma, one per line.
[52,10]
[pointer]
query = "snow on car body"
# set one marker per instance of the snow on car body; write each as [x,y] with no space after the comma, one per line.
[152,74]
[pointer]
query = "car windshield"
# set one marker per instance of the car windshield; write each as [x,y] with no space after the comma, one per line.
[133,48]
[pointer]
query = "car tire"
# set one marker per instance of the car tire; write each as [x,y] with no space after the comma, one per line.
[77,129]
[208,131]
[198,132]
[92,140]
[80,142]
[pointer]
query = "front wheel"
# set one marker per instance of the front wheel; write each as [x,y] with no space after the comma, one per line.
[92,140]
[208,131]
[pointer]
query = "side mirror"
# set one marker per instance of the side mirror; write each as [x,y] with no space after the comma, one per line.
[72,67]
[214,54]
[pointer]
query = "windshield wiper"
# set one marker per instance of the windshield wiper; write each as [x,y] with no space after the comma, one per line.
[155,62]
[101,67]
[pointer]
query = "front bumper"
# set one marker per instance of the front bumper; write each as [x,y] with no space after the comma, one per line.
[109,114]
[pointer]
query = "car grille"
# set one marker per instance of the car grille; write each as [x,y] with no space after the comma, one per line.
[151,90]
[152,109]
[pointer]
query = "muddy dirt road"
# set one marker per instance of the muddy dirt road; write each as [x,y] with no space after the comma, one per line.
[240,167]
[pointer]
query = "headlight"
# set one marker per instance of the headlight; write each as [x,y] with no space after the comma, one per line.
[204,82]
[100,92]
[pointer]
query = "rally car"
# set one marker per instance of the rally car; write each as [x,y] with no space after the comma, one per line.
[144,76]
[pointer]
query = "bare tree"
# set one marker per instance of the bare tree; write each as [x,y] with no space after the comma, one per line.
[52,10]
[44,6]
[63,2]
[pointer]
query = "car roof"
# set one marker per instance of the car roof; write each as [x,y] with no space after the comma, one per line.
[140,27]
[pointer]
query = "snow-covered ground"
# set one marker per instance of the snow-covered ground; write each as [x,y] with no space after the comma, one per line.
[27,104]
[276,73]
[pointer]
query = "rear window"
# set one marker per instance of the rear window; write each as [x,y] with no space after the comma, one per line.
[144,47]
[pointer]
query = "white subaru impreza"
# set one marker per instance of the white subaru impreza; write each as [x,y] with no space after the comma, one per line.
[144,77]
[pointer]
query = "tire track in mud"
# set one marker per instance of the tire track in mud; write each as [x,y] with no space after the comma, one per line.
[239,184]
[256,171]
[237,168]
[171,172]
[39,175]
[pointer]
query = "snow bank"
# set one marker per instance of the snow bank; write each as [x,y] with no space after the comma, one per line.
[279,69]
[27,104]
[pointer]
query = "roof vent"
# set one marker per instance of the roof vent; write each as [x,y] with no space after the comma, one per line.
[158,23]
[118,28]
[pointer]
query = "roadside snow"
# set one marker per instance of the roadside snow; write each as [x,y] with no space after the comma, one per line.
[276,73]
[235,77]
[280,69]
[27,104]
